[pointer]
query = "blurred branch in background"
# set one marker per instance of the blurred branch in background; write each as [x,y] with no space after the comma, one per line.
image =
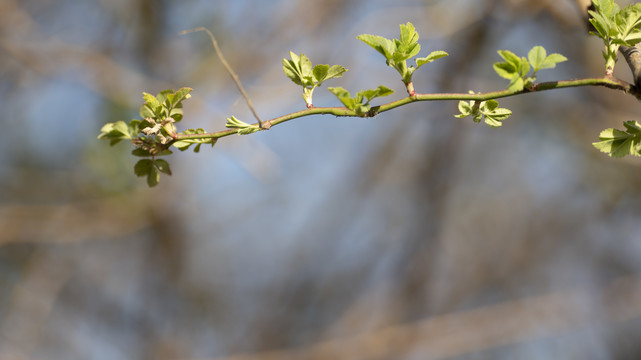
[483,328]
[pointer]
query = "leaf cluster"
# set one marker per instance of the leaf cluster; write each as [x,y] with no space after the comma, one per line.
[398,51]
[484,110]
[619,143]
[517,69]
[299,69]
[616,27]
[155,132]
[360,103]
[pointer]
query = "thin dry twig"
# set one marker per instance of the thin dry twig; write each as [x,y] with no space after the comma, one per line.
[229,70]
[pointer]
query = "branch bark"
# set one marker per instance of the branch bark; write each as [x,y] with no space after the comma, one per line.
[632,55]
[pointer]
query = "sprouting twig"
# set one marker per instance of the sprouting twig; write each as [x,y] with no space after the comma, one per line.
[229,70]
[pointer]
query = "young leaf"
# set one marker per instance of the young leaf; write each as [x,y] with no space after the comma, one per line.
[243,127]
[434,55]
[537,56]
[617,143]
[344,96]
[292,68]
[320,73]
[182,94]
[151,101]
[465,109]
[378,92]
[525,67]
[116,132]
[143,167]
[551,61]
[380,44]
[334,71]
[408,34]
[505,70]
[162,166]
[181,145]
[306,70]
[406,46]
[141,152]
[510,58]
[517,84]
[628,21]
[153,177]
[606,7]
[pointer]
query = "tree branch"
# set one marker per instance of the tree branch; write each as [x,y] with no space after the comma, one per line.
[608,82]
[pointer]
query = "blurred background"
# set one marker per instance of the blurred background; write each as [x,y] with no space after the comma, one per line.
[411,235]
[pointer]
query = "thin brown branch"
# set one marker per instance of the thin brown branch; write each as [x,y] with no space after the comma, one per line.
[483,328]
[230,71]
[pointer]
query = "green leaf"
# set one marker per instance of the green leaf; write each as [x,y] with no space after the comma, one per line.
[141,152]
[490,105]
[306,70]
[492,121]
[243,127]
[117,131]
[373,93]
[537,56]
[601,24]
[162,166]
[617,143]
[525,67]
[182,94]
[434,55]
[632,127]
[181,145]
[465,109]
[493,114]
[517,84]
[510,58]
[505,70]
[150,100]
[335,71]
[146,112]
[500,113]
[153,177]
[606,7]
[384,46]
[551,61]
[344,96]
[292,68]
[143,167]
[628,21]
[408,34]
[356,103]
[320,72]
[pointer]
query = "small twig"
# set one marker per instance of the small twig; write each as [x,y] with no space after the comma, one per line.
[229,70]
